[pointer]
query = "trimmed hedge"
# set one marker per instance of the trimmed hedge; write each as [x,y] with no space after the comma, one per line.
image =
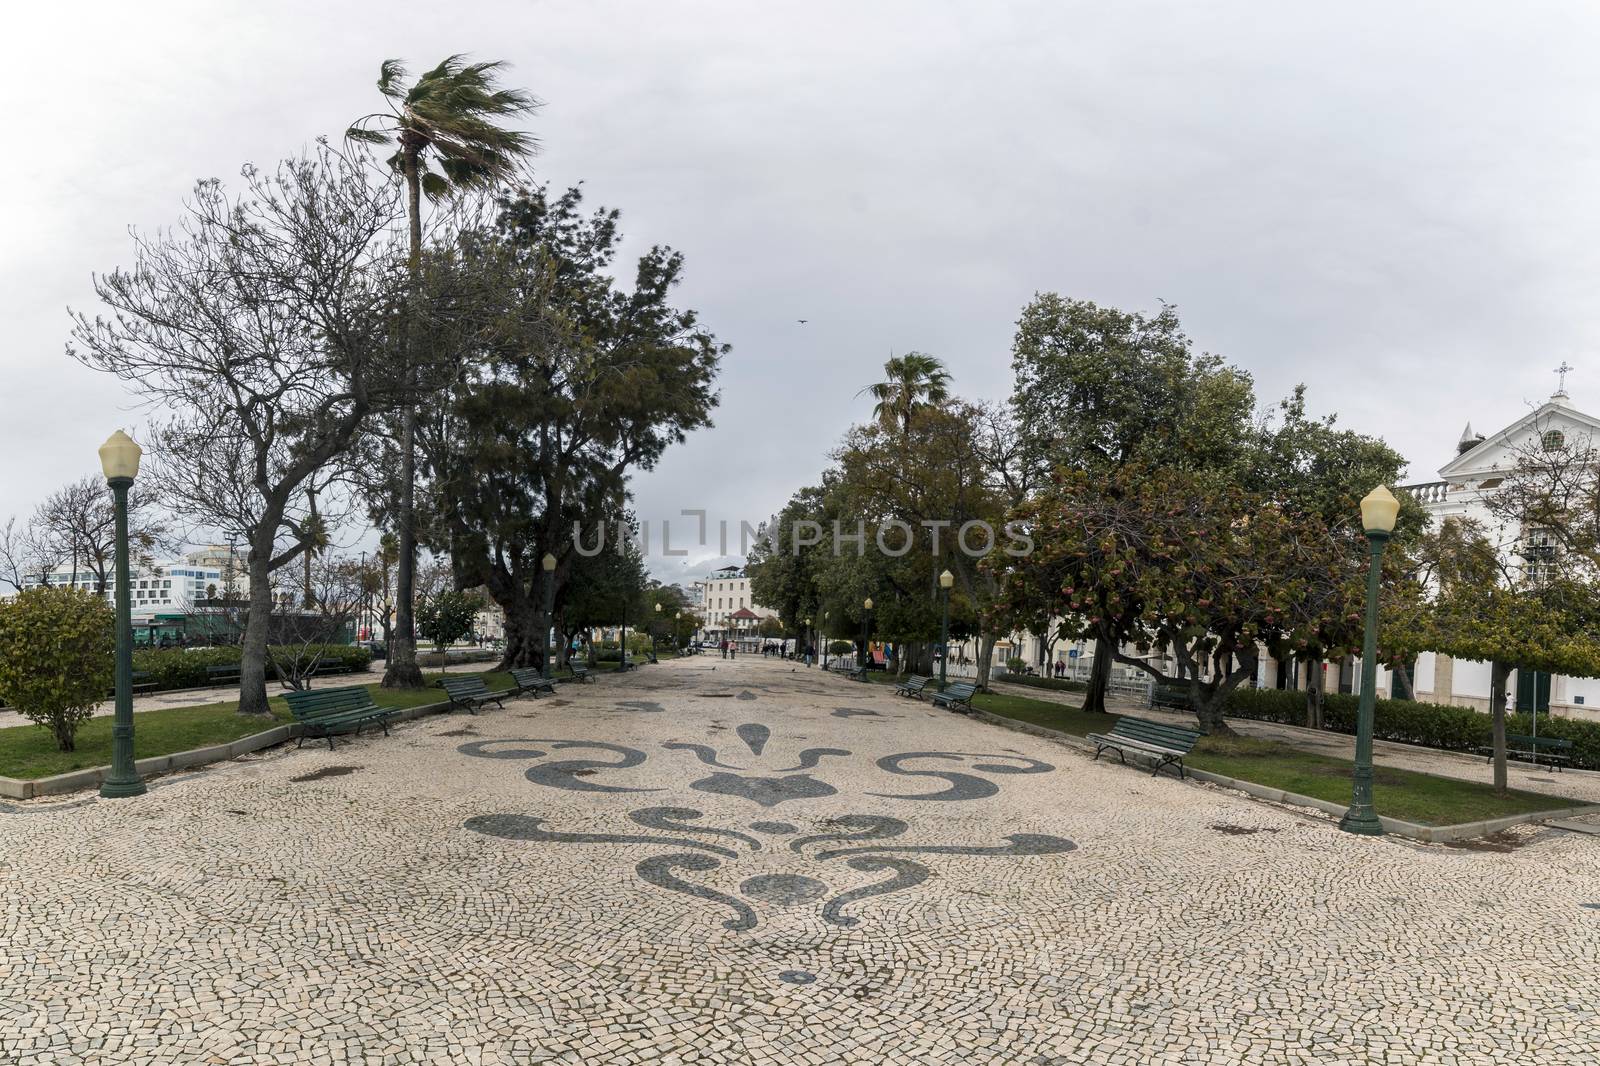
[171,668]
[1061,683]
[1431,725]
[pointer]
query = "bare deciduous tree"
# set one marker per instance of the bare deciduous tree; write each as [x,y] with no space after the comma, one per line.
[79,522]
[267,324]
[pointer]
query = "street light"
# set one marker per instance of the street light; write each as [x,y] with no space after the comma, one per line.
[866,614]
[549,563]
[119,459]
[946,580]
[622,654]
[804,636]
[821,632]
[1378,510]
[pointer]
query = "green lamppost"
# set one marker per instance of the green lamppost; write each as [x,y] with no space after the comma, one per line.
[119,459]
[866,616]
[655,627]
[803,636]
[946,580]
[1378,510]
[549,563]
[821,632]
[622,652]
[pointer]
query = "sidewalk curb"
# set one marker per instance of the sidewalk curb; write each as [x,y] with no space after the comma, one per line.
[1433,834]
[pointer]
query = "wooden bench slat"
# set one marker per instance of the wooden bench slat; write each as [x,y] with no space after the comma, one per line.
[321,711]
[1168,744]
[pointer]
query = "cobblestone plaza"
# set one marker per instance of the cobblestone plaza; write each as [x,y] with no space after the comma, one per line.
[748,862]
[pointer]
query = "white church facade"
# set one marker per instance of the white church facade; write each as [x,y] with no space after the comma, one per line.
[1480,464]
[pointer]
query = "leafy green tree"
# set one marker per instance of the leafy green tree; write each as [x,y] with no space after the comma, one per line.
[605,589]
[1316,469]
[59,657]
[1486,605]
[1203,575]
[447,615]
[446,130]
[912,382]
[581,381]
[1097,389]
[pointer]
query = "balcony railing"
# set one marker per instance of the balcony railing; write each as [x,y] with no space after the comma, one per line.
[1429,492]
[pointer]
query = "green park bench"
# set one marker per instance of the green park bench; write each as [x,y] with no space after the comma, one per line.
[1169,695]
[222,674]
[469,692]
[1554,750]
[1166,744]
[528,679]
[956,697]
[325,711]
[650,657]
[580,673]
[912,686]
[142,682]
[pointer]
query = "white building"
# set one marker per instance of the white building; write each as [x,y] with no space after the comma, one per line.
[168,587]
[723,595]
[1476,470]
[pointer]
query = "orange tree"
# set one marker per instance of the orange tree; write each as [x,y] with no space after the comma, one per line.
[1188,574]
[1484,605]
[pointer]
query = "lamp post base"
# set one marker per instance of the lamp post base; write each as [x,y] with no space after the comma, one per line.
[1362,820]
[120,788]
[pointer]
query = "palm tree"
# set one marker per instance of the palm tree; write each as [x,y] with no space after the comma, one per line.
[914,382]
[447,141]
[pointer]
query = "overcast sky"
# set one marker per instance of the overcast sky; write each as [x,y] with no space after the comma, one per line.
[1393,203]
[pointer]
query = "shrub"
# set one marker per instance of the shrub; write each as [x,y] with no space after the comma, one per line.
[60,648]
[841,647]
[1061,683]
[170,668]
[1432,725]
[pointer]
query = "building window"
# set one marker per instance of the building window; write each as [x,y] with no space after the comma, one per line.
[1539,554]
[1553,440]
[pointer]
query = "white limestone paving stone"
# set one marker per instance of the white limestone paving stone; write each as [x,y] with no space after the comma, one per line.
[622,873]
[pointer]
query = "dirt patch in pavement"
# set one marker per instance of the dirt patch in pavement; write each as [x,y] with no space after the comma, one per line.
[1241,830]
[326,771]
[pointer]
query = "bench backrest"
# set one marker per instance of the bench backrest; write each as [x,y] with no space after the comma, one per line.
[311,704]
[961,690]
[916,679]
[526,675]
[463,686]
[578,669]
[1553,743]
[1158,733]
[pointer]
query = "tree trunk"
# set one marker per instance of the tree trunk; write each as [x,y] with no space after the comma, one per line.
[1208,710]
[1099,676]
[1498,673]
[1314,675]
[400,669]
[257,627]
[525,629]
[985,659]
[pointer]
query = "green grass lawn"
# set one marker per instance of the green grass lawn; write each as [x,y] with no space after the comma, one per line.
[1405,794]
[28,751]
